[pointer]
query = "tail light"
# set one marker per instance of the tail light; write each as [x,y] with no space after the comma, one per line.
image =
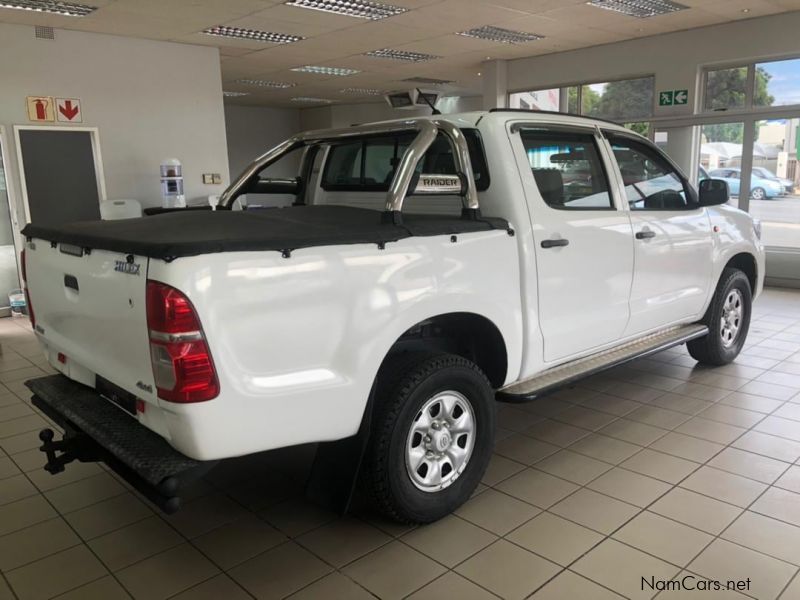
[23,262]
[182,366]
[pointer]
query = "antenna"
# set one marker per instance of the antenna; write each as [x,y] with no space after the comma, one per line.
[428,102]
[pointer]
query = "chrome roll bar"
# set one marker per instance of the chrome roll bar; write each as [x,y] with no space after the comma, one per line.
[427,131]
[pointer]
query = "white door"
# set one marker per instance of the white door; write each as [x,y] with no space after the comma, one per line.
[672,237]
[583,240]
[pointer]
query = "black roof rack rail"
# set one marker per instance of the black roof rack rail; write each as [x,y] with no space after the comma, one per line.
[554,112]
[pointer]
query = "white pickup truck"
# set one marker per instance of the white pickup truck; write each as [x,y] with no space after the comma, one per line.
[425,268]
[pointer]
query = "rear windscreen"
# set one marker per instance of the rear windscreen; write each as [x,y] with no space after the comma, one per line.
[369,163]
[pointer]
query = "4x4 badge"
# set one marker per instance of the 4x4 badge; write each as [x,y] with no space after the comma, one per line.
[130,268]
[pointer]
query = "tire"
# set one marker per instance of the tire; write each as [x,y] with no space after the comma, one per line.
[728,320]
[408,384]
[758,194]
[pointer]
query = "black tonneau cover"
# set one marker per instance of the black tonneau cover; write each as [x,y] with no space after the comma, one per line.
[191,233]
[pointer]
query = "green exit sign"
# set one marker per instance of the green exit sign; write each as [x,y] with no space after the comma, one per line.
[673,97]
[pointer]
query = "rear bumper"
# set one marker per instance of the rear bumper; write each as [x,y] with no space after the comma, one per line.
[96,430]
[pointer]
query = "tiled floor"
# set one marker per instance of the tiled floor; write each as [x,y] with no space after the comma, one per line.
[656,469]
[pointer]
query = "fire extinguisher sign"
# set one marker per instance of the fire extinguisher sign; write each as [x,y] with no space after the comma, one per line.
[41,108]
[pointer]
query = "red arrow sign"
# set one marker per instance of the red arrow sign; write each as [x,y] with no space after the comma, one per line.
[68,110]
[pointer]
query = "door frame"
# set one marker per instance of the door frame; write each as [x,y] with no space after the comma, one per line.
[5,163]
[98,159]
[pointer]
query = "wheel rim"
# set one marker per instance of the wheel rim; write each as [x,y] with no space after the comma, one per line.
[732,316]
[758,194]
[440,441]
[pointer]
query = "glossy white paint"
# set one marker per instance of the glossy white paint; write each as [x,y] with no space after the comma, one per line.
[297,341]
[583,288]
[673,271]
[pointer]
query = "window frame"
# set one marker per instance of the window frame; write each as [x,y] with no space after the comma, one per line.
[750,82]
[692,198]
[564,97]
[597,140]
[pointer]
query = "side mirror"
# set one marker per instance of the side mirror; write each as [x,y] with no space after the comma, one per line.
[713,192]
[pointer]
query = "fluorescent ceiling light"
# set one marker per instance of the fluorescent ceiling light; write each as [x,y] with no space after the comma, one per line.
[318,70]
[361,91]
[228,94]
[252,34]
[363,9]
[270,84]
[310,99]
[639,8]
[65,9]
[498,34]
[401,55]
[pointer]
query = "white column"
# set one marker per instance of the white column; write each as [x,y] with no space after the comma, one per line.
[494,76]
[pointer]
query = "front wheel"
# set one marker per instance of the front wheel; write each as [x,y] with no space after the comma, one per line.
[728,320]
[432,436]
[758,194]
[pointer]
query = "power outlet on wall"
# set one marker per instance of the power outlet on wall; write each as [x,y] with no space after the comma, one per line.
[208,178]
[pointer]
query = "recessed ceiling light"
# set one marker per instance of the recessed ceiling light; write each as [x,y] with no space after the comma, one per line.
[361,91]
[311,99]
[253,34]
[745,10]
[319,70]
[498,34]
[401,55]
[641,9]
[65,9]
[363,9]
[228,94]
[264,83]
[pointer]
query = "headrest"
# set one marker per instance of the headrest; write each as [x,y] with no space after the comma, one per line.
[550,184]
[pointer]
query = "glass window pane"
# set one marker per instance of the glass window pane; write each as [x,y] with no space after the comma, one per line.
[572,99]
[721,154]
[777,83]
[625,100]
[774,197]
[725,88]
[640,127]
[379,161]
[567,169]
[650,181]
[537,100]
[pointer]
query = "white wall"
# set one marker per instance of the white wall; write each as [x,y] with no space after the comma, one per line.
[252,130]
[150,100]
[344,115]
[676,59]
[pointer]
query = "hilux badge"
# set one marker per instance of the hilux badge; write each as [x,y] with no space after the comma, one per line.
[130,268]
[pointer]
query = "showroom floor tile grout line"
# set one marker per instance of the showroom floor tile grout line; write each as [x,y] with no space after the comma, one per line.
[581,409]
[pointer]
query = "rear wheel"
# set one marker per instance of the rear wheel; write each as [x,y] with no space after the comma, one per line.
[728,320]
[432,436]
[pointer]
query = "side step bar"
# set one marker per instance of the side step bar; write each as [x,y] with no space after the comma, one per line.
[562,375]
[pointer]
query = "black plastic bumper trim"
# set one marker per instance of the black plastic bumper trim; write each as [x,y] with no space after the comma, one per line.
[95,430]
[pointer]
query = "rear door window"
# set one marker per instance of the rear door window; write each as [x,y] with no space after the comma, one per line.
[568,169]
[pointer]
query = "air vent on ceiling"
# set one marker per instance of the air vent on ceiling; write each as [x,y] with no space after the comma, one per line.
[44,33]
[427,80]
[641,9]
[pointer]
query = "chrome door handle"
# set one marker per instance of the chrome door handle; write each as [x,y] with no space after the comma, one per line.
[644,235]
[554,243]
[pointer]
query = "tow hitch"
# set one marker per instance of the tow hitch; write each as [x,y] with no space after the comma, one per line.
[96,430]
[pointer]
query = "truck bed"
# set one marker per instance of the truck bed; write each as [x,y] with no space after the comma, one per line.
[191,233]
